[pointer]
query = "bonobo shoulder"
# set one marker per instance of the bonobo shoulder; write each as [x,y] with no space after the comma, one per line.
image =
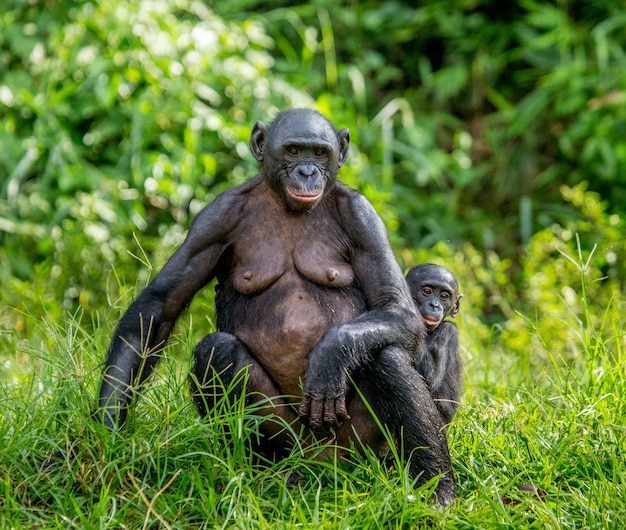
[224,212]
[358,216]
[351,202]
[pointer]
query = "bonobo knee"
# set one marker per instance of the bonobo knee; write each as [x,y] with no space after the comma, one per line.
[392,358]
[397,391]
[218,350]
[213,369]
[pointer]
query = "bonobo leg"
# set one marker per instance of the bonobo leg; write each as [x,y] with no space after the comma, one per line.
[400,398]
[217,360]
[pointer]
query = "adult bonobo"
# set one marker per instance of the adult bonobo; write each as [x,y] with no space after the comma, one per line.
[435,291]
[308,294]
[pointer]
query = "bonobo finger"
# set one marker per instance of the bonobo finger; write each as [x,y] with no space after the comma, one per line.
[330,416]
[340,410]
[335,412]
[315,416]
[305,409]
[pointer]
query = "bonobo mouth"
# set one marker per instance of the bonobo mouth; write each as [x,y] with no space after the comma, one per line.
[431,322]
[304,197]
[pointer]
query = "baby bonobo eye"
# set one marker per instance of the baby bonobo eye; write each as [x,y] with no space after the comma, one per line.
[427,291]
[444,295]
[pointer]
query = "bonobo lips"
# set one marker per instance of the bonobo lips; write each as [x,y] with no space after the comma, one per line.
[304,197]
[431,322]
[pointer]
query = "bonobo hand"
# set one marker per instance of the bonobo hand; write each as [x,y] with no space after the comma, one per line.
[324,401]
[321,409]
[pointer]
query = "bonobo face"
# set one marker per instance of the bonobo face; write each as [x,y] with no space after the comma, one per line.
[301,154]
[435,292]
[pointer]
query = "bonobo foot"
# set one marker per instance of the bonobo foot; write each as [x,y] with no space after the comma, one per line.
[405,405]
[446,490]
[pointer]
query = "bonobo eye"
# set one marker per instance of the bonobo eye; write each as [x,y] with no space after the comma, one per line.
[320,153]
[444,296]
[293,150]
[427,291]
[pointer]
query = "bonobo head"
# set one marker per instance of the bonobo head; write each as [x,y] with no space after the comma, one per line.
[435,291]
[301,153]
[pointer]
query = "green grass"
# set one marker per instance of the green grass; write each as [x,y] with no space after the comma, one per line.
[558,425]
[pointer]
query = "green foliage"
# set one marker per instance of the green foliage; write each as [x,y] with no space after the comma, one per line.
[125,117]
[573,277]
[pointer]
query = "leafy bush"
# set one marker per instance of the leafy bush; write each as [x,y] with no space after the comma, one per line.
[573,282]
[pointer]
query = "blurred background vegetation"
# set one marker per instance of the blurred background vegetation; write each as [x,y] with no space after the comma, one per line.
[491,137]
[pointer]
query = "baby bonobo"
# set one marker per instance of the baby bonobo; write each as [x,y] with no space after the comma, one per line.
[435,291]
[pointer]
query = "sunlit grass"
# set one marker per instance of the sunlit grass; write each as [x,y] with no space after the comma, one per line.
[556,427]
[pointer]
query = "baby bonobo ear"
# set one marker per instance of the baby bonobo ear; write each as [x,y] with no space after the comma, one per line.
[343,137]
[455,308]
[257,140]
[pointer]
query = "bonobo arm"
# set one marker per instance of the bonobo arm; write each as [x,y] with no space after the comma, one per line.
[441,360]
[440,365]
[391,317]
[143,330]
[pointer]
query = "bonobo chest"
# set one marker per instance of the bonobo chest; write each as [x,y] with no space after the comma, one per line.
[271,243]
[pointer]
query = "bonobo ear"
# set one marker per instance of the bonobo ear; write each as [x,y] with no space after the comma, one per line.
[257,140]
[343,137]
[455,308]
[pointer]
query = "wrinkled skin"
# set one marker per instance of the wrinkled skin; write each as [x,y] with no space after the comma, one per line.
[308,292]
[435,291]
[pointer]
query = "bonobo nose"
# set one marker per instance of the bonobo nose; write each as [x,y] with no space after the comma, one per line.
[306,170]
